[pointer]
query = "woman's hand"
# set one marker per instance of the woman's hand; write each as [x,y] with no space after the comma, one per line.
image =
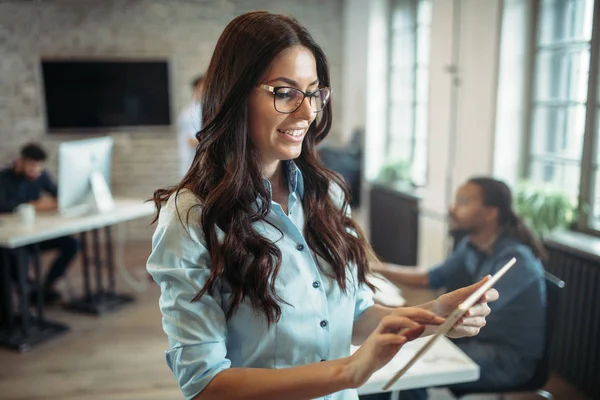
[391,334]
[474,318]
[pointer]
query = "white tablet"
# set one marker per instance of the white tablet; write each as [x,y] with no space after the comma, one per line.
[452,319]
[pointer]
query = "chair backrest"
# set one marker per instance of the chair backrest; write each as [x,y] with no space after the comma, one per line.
[554,287]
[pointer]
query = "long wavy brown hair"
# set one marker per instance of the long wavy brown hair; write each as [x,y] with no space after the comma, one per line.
[226,176]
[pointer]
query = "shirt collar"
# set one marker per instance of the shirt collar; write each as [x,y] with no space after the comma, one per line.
[293,177]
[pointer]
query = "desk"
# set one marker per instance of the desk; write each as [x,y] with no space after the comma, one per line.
[23,330]
[443,364]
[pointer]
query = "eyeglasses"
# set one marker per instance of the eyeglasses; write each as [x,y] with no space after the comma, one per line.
[288,99]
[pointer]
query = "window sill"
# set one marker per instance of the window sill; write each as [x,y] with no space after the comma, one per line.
[402,188]
[581,244]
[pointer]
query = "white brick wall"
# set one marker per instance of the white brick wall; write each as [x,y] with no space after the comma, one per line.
[183,31]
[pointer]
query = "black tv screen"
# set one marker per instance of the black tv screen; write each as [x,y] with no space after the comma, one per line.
[83,94]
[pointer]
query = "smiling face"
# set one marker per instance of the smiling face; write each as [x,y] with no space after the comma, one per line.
[279,136]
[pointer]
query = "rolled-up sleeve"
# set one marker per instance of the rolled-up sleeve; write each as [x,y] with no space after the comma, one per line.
[364,300]
[196,330]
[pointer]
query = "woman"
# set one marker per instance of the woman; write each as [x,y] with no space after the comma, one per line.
[261,268]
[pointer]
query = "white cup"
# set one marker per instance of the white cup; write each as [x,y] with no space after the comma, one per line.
[26,213]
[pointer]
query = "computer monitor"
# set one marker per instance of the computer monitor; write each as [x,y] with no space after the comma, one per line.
[84,168]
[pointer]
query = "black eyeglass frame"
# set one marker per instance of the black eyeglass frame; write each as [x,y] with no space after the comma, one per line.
[311,95]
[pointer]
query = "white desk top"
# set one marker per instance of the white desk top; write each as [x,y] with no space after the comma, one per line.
[443,364]
[386,292]
[13,233]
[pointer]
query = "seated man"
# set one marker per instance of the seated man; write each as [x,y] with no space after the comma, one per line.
[26,181]
[508,348]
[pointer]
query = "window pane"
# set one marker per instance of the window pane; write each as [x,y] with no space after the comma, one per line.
[424,12]
[596,200]
[419,165]
[597,150]
[422,85]
[558,132]
[402,86]
[421,123]
[595,189]
[563,176]
[408,86]
[403,14]
[565,20]
[562,75]
[399,149]
[403,49]
[401,121]
[423,45]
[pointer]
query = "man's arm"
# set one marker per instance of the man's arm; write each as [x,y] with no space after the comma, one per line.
[48,184]
[402,275]
[45,203]
[8,199]
[449,273]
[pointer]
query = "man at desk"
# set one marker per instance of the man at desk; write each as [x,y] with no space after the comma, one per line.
[26,181]
[508,348]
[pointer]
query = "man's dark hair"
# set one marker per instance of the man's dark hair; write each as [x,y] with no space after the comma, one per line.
[33,151]
[196,81]
[497,194]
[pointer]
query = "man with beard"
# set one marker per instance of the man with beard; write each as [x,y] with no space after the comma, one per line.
[27,182]
[508,348]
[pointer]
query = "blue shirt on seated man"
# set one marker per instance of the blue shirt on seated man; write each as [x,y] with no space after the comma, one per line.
[509,346]
[26,181]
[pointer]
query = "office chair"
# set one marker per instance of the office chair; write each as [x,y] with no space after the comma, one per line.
[554,288]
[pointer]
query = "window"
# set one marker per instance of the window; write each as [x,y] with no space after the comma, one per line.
[563,108]
[406,140]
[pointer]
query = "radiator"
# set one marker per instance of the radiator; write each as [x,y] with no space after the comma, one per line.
[575,352]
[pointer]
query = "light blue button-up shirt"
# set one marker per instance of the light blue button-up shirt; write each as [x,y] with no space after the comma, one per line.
[315,326]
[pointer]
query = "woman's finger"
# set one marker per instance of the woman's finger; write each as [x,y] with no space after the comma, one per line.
[419,315]
[387,339]
[478,310]
[464,331]
[394,323]
[477,322]
[412,334]
[490,296]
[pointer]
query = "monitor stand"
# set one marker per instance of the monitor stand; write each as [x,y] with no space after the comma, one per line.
[102,195]
[100,201]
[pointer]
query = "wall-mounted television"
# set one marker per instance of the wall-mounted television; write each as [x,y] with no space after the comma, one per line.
[85,95]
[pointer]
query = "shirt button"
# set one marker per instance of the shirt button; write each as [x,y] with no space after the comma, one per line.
[300,247]
[316,284]
[323,323]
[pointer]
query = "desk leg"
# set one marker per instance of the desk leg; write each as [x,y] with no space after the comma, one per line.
[19,331]
[37,270]
[110,261]
[23,292]
[101,301]
[85,264]
[7,312]
[97,262]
